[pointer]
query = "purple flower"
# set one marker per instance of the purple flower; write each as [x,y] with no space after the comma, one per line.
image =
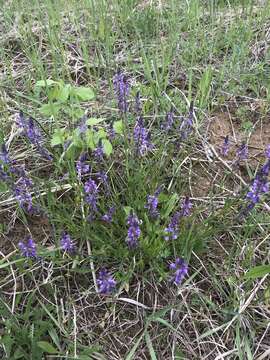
[81,166]
[4,156]
[91,190]
[106,283]
[186,207]
[141,138]
[22,193]
[28,248]
[109,215]
[258,187]
[179,269]
[172,230]
[121,88]
[242,152]
[187,123]
[32,132]
[267,151]
[168,121]
[98,153]
[152,204]
[103,178]
[134,231]
[111,132]
[225,148]
[67,243]
[265,169]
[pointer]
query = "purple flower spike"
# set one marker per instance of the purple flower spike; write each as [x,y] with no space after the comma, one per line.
[28,248]
[242,152]
[121,88]
[187,123]
[267,152]
[81,166]
[109,215]
[168,122]
[172,230]
[91,191]
[226,146]
[186,207]
[98,153]
[180,270]
[4,156]
[106,283]
[141,138]
[152,204]
[32,132]
[134,231]
[22,193]
[67,243]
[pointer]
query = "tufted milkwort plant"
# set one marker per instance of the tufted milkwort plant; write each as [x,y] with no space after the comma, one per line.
[118,191]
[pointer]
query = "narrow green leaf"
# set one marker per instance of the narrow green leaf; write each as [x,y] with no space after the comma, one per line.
[47,347]
[150,346]
[257,272]
[135,347]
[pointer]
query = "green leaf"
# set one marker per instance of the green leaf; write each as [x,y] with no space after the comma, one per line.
[63,93]
[94,121]
[47,347]
[118,126]
[107,147]
[89,138]
[84,93]
[257,272]
[150,346]
[50,109]
[132,352]
[45,83]
[100,134]
[127,209]
[171,204]
[58,137]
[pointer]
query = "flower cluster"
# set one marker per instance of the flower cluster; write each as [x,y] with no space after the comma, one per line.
[32,132]
[152,204]
[242,152]
[134,231]
[186,125]
[98,153]
[169,121]
[259,185]
[109,215]
[141,138]
[105,282]
[17,180]
[171,231]
[121,88]
[186,207]
[226,146]
[67,243]
[179,269]
[91,191]
[28,248]
[81,166]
